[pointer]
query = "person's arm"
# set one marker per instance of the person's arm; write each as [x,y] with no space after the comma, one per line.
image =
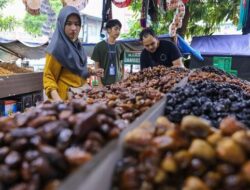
[144,60]
[55,96]
[121,61]
[96,58]
[178,63]
[51,74]
[97,66]
[176,56]
[123,70]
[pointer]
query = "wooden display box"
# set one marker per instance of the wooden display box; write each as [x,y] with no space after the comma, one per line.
[18,84]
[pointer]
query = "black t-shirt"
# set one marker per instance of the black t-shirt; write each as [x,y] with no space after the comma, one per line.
[164,55]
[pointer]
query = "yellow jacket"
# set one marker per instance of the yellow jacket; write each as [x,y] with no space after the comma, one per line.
[56,77]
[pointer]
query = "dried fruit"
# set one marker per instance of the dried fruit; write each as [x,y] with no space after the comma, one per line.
[230,151]
[201,149]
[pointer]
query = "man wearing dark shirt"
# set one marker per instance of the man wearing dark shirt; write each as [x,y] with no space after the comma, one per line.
[158,52]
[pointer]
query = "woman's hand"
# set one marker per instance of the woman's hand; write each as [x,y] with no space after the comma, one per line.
[55,96]
[97,72]
[178,63]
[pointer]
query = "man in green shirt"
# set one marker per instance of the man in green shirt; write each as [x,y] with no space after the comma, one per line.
[108,54]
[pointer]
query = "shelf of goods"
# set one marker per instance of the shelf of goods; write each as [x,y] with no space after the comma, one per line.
[17,84]
[77,144]
[105,166]
[44,145]
[192,153]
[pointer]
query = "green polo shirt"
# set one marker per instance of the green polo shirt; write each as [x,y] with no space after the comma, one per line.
[106,55]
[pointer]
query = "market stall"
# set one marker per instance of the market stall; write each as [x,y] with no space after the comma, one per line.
[180,151]
[76,132]
[20,86]
[160,128]
[228,52]
[12,49]
[62,128]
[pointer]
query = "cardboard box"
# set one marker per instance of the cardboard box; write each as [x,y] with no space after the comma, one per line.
[8,107]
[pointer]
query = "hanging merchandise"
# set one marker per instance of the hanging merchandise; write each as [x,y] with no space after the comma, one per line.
[46,28]
[246,28]
[144,13]
[45,6]
[79,4]
[106,14]
[121,3]
[32,6]
[51,17]
[178,17]
[244,8]
[153,10]
[163,6]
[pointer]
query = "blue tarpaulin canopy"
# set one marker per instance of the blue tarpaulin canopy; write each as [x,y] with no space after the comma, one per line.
[218,48]
[222,45]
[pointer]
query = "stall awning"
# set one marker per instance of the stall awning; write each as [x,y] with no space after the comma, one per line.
[10,50]
[222,45]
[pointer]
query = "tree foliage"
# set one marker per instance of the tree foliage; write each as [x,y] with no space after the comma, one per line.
[3,4]
[8,22]
[202,17]
[33,24]
[56,5]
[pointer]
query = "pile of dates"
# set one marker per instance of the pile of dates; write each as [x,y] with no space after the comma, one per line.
[134,95]
[4,72]
[42,146]
[160,78]
[213,74]
[127,103]
[189,156]
[12,67]
[209,100]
